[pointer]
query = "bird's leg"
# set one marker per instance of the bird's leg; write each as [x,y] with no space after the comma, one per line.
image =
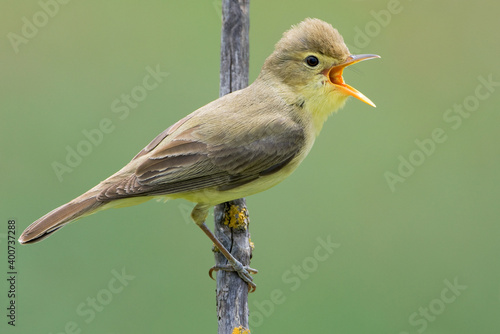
[199,215]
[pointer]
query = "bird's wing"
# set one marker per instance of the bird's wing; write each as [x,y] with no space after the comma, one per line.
[188,158]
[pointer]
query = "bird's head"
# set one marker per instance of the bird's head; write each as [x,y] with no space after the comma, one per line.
[309,59]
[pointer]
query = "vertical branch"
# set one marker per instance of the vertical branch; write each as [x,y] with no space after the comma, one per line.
[231,218]
[234,46]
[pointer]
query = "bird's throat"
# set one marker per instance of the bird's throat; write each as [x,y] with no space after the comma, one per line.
[323,105]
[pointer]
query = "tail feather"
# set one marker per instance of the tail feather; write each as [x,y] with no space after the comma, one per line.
[57,218]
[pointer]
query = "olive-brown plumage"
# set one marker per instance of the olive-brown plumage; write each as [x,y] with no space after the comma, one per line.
[238,145]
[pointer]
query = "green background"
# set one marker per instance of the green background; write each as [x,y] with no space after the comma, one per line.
[396,248]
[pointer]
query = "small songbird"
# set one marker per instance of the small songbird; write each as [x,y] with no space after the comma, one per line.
[238,145]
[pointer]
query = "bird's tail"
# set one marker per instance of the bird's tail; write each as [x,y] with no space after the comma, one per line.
[81,206]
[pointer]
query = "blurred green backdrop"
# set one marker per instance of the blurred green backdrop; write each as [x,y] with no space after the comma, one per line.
[412,220]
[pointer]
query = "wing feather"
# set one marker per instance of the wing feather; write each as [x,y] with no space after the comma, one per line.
[184,159]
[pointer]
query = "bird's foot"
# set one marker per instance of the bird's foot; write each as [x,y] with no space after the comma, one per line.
[243,271]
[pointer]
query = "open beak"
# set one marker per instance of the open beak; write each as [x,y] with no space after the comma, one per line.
[335,76]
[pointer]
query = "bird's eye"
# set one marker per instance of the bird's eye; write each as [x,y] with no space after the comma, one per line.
[312,61]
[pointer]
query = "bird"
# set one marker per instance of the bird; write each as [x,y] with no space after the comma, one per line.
[235,146]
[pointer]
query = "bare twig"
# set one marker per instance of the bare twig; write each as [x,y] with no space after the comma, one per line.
[231,218]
